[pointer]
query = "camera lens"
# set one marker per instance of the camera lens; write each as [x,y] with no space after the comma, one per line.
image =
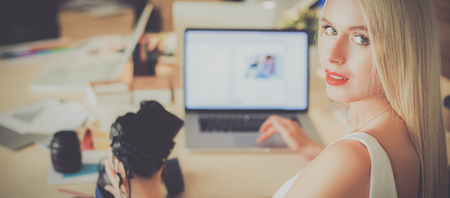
[66,152]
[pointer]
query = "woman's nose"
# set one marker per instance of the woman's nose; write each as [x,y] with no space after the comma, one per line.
[336,51]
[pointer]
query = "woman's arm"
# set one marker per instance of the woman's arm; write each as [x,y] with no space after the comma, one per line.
[292,134]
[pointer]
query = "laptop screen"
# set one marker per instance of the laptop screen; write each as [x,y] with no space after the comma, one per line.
[246,69]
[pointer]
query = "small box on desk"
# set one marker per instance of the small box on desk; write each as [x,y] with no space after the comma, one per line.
[132,90]
[160,88]
[112,92]
[109,93]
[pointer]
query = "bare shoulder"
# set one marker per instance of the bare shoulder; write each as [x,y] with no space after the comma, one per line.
[341,170]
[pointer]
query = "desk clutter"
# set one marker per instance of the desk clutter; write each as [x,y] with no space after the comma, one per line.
[88,66]
[38,120]
[142,141]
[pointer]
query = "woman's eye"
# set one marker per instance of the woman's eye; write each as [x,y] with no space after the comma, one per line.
[330,30]
[360,39]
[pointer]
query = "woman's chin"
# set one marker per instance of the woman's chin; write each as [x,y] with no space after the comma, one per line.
[337,96]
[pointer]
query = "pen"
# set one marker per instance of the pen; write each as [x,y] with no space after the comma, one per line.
[35,48]
[9,55]
[74,193]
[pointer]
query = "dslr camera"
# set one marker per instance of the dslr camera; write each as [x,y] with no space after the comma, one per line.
[142,141]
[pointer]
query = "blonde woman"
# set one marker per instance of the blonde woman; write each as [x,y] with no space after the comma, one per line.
[382,57]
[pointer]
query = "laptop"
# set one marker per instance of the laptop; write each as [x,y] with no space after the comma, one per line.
[75,75]
[234,79]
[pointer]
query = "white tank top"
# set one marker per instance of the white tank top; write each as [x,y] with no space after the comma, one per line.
[382,183]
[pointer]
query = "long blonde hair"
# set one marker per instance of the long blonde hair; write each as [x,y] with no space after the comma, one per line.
[406,47]
[407,60]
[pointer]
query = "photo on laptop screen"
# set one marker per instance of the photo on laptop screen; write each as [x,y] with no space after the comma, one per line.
[246,69]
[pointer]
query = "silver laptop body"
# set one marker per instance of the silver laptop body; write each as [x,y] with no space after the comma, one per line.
[76,74]
[235,79]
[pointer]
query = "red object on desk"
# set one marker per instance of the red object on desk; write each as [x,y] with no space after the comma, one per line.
[87,143]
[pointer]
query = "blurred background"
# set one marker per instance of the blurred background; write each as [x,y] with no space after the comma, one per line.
[28,20]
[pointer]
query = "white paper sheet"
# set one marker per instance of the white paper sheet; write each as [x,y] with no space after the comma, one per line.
[19,119]
[45,117]
[64,116]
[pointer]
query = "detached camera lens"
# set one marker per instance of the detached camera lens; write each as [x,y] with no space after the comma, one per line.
[66,152]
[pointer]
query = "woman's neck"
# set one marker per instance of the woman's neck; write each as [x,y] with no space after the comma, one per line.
[367,110]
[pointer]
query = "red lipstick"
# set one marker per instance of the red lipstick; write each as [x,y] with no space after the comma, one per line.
[335,79]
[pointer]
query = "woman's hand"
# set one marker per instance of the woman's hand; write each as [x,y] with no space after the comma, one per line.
[116,190]
[292,134]
[140,186]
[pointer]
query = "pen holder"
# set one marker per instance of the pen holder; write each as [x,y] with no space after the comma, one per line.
[66,152]
[145,60]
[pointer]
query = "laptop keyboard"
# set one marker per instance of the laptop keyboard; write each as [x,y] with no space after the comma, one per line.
[235,123]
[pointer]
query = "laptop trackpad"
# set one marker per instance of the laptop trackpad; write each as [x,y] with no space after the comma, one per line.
[250,142]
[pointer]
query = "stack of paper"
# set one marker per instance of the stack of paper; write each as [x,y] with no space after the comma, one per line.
[44,118]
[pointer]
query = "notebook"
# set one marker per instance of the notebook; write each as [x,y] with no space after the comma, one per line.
[234,79]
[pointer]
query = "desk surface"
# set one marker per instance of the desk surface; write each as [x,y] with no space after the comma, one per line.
[24,173]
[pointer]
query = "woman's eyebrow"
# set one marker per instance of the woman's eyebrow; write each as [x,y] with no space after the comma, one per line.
[358,27]
[326,21]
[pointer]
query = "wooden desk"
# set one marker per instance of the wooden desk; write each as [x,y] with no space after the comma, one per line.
[24,173]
